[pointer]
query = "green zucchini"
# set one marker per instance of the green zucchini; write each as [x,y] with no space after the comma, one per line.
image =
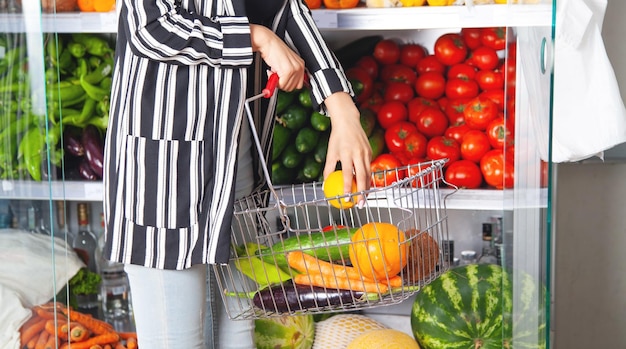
[329,246]
[350,53]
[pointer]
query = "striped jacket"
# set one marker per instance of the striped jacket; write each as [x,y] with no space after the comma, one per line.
[179,85]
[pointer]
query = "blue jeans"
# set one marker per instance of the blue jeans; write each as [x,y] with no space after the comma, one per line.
[177,309]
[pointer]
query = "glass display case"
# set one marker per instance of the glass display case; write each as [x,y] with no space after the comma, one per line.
[54,111]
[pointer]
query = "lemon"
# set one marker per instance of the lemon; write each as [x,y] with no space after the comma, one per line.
[333,187]
[440,2]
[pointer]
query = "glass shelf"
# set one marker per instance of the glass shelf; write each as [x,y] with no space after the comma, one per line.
[358,18]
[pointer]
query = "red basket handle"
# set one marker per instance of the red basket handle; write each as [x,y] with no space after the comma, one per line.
[270,87]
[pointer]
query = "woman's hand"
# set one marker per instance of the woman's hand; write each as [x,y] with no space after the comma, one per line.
[348,144]
[279,57]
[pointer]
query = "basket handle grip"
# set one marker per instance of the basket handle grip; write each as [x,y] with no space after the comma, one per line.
[270,87]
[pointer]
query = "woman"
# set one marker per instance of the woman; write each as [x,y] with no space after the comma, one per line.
[180,81]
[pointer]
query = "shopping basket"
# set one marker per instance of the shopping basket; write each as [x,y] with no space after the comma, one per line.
[295,251]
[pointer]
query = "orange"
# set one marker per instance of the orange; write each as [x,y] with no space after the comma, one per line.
[378,250]
[86,5]
[333,187]
[313,4]
[103,5]
[339,4]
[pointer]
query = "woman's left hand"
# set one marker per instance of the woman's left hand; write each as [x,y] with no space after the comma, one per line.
[348,144]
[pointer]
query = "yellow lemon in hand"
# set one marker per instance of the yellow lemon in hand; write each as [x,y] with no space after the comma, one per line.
[333,187]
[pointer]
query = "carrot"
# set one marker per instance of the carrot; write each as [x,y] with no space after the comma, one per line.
[42,339]
[43,313]
[29,332]
[94,325]
[31,343]
[50,344]
[78,333]
[308,264]
[120,345]
[131,343]
[97,346]
[109,337]
[58,329]
[107,346]
[340,283]
[394,281]
[126,335]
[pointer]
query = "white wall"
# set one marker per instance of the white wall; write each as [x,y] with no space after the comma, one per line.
[590,258]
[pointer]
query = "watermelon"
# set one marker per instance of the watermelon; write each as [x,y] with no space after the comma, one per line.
[470,307]
[284,332]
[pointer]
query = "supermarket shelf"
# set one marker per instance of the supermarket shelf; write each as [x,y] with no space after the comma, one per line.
[424,17]
[464,199]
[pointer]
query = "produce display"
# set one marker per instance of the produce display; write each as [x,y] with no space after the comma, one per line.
[69,132]
[455,101]
[54,325]
[471,307]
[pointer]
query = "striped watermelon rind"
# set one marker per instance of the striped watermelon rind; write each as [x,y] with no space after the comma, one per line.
[470,307]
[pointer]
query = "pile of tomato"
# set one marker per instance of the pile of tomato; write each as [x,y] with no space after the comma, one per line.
[446,103]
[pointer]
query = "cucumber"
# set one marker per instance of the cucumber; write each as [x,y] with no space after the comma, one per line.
[319,121]
[377,142]
[304,96]
[350,53]
[283,100]
[282,137]
[306,140]
[291,157]
[311,169]
[368,120]
[294,117]
[328,246]
[319,153]
[281,174]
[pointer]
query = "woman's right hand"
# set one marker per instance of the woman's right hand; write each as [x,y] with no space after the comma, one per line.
[281,59]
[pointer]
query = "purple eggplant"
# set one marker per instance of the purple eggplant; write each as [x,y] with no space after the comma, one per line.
[85,171]
[288,298]
[94,149]
[72,142]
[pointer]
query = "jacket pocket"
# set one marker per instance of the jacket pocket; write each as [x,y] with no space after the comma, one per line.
[163,182]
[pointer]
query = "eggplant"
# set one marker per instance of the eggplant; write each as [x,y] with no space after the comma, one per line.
[72,142]
[288,298]
[85,171]
[94,149]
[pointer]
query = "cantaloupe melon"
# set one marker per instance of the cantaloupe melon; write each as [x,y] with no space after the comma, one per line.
[384,339]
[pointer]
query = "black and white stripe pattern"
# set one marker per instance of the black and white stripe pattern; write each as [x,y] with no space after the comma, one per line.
[180,80]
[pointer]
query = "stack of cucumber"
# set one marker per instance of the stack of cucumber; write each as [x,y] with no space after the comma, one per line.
[301,133]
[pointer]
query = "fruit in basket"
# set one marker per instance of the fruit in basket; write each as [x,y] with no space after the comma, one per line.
[378,250]
[383,339]
[471,307]
[339,4]
[285,332]
[333,187]
[422,257]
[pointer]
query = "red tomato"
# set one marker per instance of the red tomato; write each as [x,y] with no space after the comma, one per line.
[497,171]
[484,58]
[471,36]
[457,131]
[494,38]
[462,71]
[443,102]
[430,63]
[390,113]
[474,145]
[417,105]
[496,95]
[499,135]
[398,91]
[386,170]
[441,147]
[415,167]
[374,102]
[333,227]
[454,110]
[398,73]
[411,54]
[387,51]
[450,49]
[403,156]
[415,145]
[362,83]
[490,79]
[396,134]
[460,88]
[432,122]
[479,112]
[430,85]
[464,174]
[370,65]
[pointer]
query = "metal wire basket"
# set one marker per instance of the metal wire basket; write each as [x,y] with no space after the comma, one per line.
[295,251]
